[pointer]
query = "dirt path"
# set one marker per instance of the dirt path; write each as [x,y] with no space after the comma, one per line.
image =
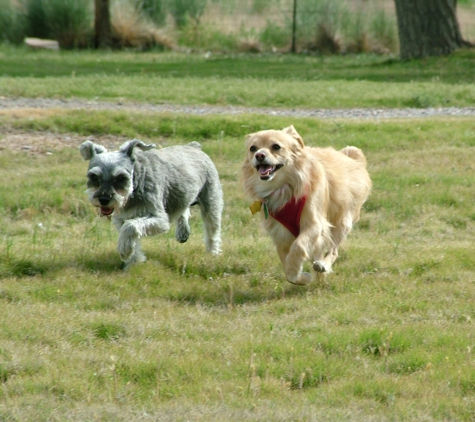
[355,113]
[47,143]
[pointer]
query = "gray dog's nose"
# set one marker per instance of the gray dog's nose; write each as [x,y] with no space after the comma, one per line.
[260,156]
[104,200]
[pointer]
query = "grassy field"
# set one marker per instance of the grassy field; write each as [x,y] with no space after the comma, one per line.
[389,336]
[270,80]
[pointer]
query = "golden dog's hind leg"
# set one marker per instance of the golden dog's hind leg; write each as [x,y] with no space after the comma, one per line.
[323,264]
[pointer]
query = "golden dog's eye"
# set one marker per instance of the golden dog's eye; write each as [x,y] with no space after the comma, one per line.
[253,149]
[276,147]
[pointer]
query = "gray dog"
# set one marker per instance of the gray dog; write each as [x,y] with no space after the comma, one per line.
[144,190]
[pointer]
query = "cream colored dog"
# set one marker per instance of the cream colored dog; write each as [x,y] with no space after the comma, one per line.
[309,198]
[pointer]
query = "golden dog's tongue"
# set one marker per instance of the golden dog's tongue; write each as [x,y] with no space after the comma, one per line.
[265,170]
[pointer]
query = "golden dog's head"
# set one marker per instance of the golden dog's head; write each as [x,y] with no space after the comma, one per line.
[269,152]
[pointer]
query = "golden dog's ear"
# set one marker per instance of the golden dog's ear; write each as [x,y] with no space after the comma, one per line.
[248,136]
[294,134]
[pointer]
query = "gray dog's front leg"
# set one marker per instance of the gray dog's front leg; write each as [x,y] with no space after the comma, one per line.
[182,232]
[132,230]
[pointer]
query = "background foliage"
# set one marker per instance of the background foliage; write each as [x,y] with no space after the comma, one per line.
[324,26]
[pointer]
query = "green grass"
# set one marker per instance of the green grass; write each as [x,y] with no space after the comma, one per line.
[262,81]
[388,336]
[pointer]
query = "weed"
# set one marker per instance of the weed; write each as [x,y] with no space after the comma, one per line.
[108,331]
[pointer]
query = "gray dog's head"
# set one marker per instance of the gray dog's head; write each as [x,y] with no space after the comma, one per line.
[110,177]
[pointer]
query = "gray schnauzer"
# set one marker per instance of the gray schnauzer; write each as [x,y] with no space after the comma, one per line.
[144,190]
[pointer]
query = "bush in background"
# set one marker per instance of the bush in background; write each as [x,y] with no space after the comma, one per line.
[383,29]
[35,17]
[153,9]
[132,28]
[184,10]
[317,25]
[323,26]
[69,22]
[12,23]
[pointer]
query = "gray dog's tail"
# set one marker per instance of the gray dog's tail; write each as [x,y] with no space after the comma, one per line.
[195,144]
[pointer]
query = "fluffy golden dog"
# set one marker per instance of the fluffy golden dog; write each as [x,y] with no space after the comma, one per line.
[309,198]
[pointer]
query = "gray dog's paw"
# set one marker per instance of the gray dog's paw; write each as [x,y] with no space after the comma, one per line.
[126,250]
[182,232]
[127,241]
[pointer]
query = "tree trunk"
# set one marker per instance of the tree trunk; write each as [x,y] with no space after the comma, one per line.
[427,28]
[102,24]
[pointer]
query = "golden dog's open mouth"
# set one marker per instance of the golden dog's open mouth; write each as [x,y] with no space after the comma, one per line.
[266,171]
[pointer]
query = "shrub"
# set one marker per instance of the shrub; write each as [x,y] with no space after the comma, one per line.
[275,36]
[132,30]
[154,10]
[35,16]
[69,22]
[383,29]
[12,23]
[355,32]
[206,38]
[318,23]
[183,10]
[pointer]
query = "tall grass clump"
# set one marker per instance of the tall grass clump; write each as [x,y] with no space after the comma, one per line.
[318,23]
[331,27]
[67,21]
[133,28]
[35,16]
[12,23]
[185,10]
[153,9]
[383,30]
[275,37]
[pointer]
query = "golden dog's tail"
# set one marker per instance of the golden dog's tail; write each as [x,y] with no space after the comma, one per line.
[354,153]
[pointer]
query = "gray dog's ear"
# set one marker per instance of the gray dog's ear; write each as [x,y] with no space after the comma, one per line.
[195,144]
[128,147]
[89,149]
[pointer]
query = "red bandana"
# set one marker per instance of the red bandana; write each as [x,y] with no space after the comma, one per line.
[289,214]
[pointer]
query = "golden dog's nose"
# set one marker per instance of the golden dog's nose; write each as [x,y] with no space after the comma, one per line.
[260,156]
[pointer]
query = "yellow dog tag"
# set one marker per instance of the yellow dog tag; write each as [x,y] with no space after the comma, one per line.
[255,207]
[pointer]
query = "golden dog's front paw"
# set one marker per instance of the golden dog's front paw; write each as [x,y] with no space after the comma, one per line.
[321,267]
[302,280]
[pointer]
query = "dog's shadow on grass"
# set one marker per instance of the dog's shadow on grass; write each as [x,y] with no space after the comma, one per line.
[107,262]
[234,287]
[228,295]
[200,283]
[24,267]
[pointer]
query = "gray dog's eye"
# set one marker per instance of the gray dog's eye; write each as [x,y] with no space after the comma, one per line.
[93,178]
[120,182]
[276,147]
